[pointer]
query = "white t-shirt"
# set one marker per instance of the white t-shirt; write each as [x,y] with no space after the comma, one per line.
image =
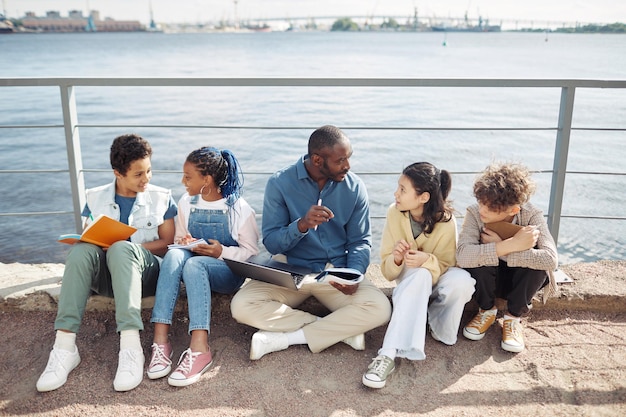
[244,229]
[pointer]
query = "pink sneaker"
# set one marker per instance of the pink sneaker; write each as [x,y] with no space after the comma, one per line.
[191,366]
[161,361]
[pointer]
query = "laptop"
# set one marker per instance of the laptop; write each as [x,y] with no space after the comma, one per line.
[264,268]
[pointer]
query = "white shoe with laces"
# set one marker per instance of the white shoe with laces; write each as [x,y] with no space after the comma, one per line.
[60,363]
[267,342]
[129,370]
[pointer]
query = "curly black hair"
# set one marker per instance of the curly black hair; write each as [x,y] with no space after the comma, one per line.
[126,149]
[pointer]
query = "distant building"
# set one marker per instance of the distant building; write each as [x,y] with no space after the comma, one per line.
[76,14]
[76,22]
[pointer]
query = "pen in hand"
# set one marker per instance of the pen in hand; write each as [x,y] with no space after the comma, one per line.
[319,203]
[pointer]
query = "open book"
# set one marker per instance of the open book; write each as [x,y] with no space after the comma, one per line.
[103,231]
[345,276]
[504,229]
[188,246]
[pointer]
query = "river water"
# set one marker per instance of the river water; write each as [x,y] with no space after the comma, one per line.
[32,239]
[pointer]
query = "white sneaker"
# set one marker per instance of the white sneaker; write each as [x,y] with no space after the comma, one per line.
[355,342]
[267,342]
[60,363]
[129,370]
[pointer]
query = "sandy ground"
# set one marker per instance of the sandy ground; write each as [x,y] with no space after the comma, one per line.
[574,365]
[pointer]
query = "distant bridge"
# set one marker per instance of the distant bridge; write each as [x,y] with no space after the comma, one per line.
[506,23]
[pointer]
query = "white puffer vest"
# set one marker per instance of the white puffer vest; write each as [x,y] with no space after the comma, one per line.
[147,212]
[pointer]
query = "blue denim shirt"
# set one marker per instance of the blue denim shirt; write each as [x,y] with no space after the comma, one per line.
[344,241]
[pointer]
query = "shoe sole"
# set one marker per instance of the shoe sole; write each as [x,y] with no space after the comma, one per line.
[159,374]
[472,336]
[376,384]
[189,381]
[373,384]
[57,386]
[124,388]
[510,348]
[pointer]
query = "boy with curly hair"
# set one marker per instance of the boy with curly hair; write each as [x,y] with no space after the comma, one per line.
[127,270]
[512,266]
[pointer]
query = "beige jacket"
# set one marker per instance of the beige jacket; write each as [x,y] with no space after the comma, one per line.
[440,244]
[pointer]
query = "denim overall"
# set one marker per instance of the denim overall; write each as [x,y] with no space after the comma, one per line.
[201,274]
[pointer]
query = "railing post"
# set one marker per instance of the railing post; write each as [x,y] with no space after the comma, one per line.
[74,156]
[561,150]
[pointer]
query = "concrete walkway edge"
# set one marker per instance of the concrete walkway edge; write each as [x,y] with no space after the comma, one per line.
[598,286]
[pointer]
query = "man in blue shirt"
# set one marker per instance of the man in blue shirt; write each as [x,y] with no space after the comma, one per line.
[315,214]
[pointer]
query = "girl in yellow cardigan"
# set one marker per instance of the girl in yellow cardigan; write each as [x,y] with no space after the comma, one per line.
[418,252]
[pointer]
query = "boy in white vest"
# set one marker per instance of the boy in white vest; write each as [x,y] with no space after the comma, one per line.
[126,271]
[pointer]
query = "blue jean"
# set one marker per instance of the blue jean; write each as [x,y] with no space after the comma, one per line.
[201,275]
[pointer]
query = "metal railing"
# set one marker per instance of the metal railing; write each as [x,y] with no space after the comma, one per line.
[68,103]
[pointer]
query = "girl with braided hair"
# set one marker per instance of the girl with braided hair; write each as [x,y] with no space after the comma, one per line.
[212,209]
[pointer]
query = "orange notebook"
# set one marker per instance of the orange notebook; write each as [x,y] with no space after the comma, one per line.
[103,231]
[504,229]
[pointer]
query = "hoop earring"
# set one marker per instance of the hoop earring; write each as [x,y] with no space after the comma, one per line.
[202,190]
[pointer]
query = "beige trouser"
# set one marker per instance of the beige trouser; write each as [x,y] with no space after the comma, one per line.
[273,308]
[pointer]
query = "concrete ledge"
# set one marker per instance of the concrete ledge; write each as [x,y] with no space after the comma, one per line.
[597,286]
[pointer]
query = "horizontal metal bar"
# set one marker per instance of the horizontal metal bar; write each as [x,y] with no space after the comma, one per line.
[36,213]
[157,171]
[32,171]
[29,126]
[393,128]
[595,173]
[580,216]
[600,129]
[307,82]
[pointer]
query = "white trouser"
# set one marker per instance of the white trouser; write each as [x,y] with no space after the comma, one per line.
[415,300]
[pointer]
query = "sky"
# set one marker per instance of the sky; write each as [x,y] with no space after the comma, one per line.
[204,11]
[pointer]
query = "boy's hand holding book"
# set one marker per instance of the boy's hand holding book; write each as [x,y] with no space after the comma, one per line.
[103,231]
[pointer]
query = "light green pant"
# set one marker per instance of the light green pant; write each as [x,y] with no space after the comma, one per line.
[126,272]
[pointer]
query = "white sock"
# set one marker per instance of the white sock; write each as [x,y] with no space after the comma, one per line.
[296,338]
[507,317]
[65,340]
[491,311]
[129,339]
[389,352]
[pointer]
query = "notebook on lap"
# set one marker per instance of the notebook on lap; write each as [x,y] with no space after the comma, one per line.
[264,268]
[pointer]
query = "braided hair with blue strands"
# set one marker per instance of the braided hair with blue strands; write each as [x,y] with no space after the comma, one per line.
[223,167]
